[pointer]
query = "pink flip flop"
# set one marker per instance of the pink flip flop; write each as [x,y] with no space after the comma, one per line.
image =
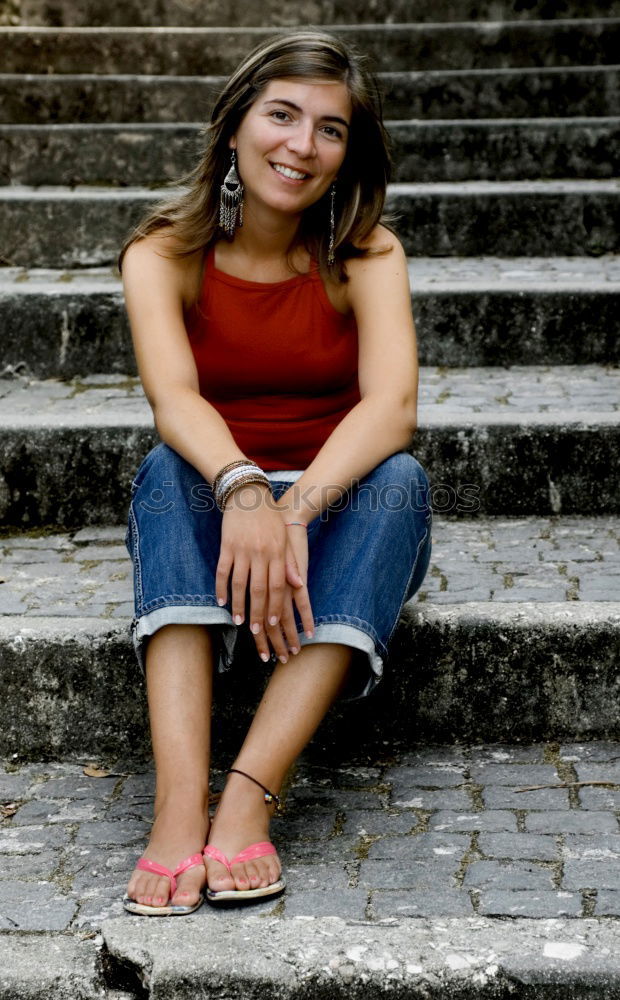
[132,906]
[260,850]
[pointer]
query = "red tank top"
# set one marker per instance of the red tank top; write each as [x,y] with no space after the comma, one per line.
[276,360]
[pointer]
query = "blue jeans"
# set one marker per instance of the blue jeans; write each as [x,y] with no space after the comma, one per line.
[368,555]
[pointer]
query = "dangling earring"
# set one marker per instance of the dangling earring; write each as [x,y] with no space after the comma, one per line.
[332,227]
[231,200]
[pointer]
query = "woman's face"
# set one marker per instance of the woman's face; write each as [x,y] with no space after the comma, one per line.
[291,143]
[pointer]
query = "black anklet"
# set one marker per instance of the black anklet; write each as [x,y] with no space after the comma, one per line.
[270,797]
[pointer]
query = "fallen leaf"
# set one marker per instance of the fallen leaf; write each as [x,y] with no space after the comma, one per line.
[92,771]
[8,809]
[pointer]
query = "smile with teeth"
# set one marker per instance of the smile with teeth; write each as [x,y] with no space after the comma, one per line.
[295,175]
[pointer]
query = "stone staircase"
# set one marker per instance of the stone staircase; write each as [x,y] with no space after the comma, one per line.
[505,125]
[505,120]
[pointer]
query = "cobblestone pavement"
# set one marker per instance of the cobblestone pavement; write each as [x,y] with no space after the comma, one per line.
[424,272]
[437,832]
[447,395]
[88,573]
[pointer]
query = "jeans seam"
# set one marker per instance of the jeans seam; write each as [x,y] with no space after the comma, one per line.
[182,600]
[137,562]
[354,622]
[411,575]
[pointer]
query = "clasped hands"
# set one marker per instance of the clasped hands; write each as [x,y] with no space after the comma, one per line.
[260,554]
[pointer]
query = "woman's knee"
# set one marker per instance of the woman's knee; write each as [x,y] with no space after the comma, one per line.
[164,473]
[399,482]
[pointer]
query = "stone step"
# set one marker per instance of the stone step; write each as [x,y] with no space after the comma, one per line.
[274,14]
[211,51]
[443,958]
[424,151]
[529,608]
[590,91]
[468,311]
[520,440]
[85,227]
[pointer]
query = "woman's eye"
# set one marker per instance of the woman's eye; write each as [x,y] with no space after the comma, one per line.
[332,132]
[280,115]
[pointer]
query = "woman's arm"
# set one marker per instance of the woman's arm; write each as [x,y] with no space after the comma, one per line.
[157,289]
[384,420]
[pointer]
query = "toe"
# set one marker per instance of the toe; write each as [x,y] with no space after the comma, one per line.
[240,876]
[189,886]
[254,875]
[269,870]
[144,893]
[218,877]
[160,892]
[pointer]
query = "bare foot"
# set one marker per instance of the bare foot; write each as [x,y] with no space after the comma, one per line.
[179,830]
[242,819]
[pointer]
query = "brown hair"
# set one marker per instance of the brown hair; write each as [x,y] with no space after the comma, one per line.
[192,217]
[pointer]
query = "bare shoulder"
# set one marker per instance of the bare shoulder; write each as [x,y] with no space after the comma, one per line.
[384,267]
[152,261]
[381,238]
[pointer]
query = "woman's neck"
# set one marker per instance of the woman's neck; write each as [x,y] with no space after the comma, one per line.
[266,234]
[260,249]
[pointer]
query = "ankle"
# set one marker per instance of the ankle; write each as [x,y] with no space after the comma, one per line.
[182,801]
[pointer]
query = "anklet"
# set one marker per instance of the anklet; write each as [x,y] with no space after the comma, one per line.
[270,797]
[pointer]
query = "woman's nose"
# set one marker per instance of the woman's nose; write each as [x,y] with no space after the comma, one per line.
[301,141]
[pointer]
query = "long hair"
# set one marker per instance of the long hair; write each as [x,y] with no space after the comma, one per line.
[192,217]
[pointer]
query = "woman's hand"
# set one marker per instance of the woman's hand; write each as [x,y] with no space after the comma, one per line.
[256,545]
[296,591]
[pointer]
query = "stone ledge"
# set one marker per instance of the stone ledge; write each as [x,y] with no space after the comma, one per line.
[474,94]
[156,154]
[468,311]
[49,967]
[552,669]
[440,959]
[295,12]
[59,227]
[517,441]
[196,51]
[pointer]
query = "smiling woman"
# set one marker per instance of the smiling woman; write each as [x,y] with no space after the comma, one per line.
[270,312]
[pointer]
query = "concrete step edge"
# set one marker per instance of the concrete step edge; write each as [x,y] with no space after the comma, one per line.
[501,93]
[273,14]
[20,631]
[54,966]
[367,27]
[468,311]
[77,128]
[66,683]
[408,189]
[384,76]
[567,392]
[85,227]
[443,959]
[427,275]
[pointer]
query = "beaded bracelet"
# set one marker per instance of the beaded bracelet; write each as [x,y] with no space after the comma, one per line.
[235,476]
[227,468]
[254,477]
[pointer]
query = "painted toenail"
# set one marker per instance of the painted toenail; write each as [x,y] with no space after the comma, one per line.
[255,628]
